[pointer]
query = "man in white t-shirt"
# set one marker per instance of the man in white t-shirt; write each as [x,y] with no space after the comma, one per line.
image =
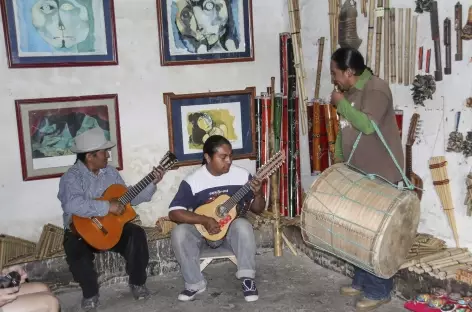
[216,176]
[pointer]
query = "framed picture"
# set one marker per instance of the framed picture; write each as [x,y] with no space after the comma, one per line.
[47,127]
[57,33]
[192,118]
[205,31]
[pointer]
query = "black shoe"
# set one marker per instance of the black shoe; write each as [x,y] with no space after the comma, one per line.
[89,304]
[249,290]
[139,292]
[189,295]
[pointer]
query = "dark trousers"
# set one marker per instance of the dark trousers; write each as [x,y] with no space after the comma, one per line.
[132,246]
[374,288]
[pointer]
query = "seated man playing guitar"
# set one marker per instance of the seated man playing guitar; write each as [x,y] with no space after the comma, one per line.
[79,188]
[216,177]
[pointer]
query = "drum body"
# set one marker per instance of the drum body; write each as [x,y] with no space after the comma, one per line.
[361,219]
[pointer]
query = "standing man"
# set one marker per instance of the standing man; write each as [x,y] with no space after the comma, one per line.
[364,98]
[216,176]
[86,180]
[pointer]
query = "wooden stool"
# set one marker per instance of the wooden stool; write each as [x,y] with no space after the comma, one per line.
[208,254]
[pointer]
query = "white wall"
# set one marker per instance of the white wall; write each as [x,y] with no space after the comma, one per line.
[140,81]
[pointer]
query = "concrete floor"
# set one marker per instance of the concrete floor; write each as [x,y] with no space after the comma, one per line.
[287,283]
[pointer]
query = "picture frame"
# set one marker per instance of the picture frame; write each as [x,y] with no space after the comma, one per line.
[191,118]
[229,38]
[47,126]
[87,37]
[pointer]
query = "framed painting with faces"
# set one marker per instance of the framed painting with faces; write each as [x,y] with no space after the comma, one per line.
[59,33]
[205,31]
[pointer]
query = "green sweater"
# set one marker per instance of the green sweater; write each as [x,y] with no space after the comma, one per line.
[358,120]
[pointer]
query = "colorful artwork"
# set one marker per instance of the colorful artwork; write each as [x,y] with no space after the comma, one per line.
[192,118]
[47,128]
[42,33]
[205,31]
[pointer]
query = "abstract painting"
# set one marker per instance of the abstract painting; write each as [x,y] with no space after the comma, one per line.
[205,31]
[54,33]
[47,128]
[192,118]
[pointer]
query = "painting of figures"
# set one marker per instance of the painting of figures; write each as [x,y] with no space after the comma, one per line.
[42,33]
[47,128]
[205,31]
[193,118]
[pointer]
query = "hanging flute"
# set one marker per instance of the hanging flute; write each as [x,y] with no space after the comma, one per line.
[386,73]
[400,46]
[393,57]
[370,34]
[435,35]
[458,28]
[406,68]
[378,37]
[447,45]
[428,60]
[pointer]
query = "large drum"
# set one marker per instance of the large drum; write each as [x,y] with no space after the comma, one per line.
[361,219]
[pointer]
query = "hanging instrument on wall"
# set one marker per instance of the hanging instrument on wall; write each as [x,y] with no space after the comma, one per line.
[370,34]
[378,37]
[348,26]
[435,35]
[412,135]
[447,45]
[102,233]
[458,29]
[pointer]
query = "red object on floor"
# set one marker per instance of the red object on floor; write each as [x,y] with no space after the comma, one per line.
[419,307]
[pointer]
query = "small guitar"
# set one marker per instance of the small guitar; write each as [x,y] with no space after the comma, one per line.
[103,233]
[223,208]
[412,134]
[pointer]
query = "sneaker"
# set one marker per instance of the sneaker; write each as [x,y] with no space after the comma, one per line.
[90,303]
[139,292]
[249,290]
[350,291]
[189,295]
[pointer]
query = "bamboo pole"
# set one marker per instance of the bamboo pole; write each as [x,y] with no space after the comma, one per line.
[386,18]
[294,15]
[400,46]
[370,34]
[406,69]
[378,37]
[413,58]
[274,179]
[393,54]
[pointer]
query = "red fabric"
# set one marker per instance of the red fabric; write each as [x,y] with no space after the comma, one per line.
[423,307]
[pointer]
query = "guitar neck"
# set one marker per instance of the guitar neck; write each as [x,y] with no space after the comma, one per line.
[408,161]
[236,198]
[136,189]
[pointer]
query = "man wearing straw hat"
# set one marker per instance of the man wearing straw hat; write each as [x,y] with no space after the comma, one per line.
[86,180]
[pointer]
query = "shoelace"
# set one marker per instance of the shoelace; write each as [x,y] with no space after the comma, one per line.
[252,286]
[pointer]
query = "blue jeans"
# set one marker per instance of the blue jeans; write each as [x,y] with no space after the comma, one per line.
[374,288]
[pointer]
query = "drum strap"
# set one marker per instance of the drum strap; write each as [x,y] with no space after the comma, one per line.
[408,184]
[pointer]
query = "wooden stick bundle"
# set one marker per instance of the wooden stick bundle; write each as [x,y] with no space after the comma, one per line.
[437,166]
[294,14]
[400,46]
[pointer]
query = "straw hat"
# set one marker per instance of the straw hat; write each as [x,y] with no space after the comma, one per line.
[91,140]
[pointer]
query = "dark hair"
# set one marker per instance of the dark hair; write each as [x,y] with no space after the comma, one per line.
[212,144]
[83,156]
[350,58]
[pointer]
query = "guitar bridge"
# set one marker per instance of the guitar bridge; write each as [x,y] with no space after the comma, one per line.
[99,225]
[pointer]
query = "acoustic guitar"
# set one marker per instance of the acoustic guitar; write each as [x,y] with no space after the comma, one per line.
[223,207]
[103,233]
[412,134]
